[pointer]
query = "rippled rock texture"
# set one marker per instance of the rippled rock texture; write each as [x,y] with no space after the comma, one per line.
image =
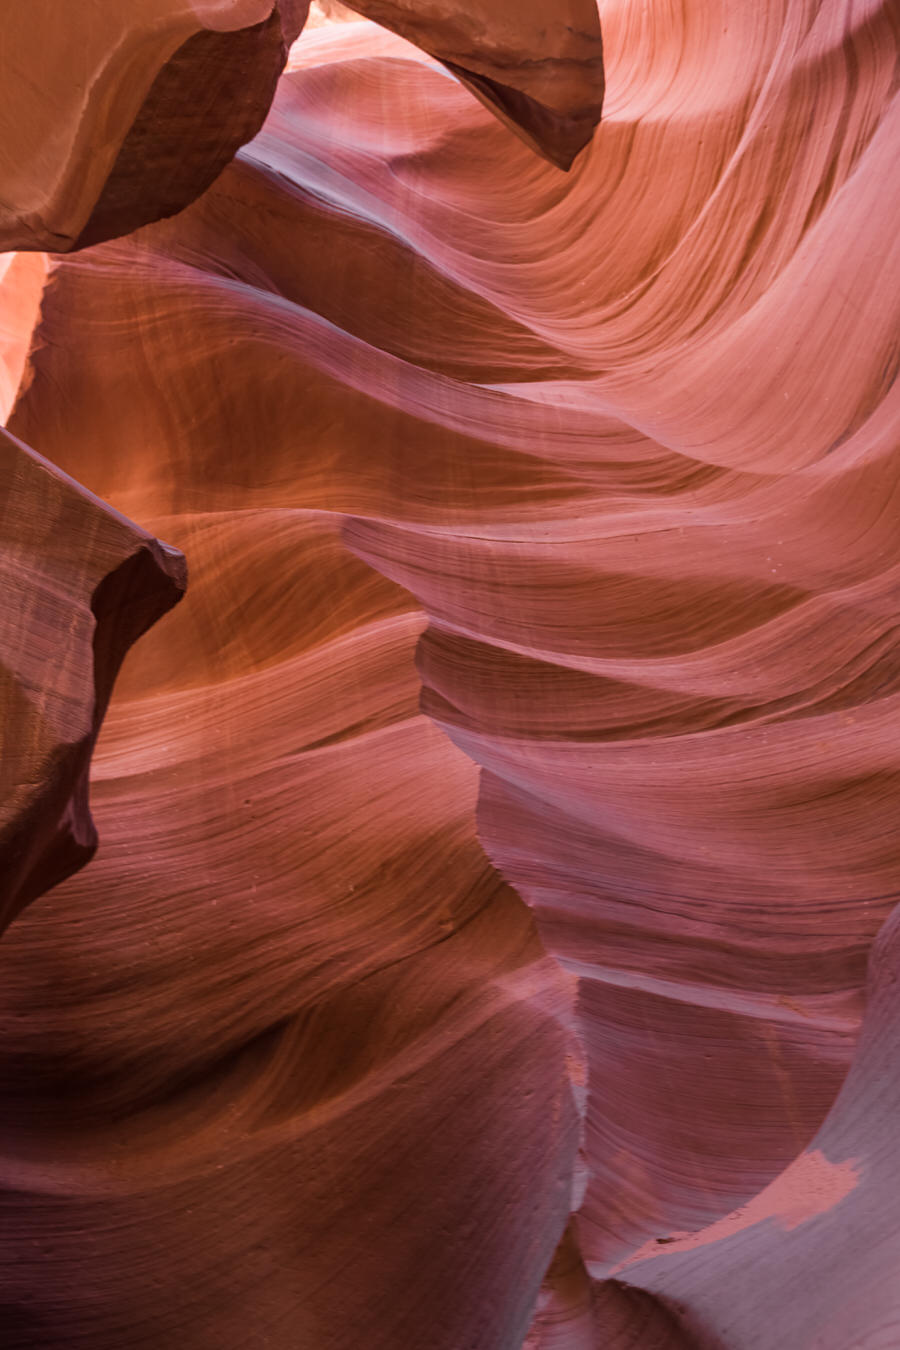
[495,839]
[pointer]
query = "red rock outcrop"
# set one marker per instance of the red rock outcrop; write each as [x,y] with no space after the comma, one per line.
[80,584]
[617,453]
[538,67]
[115,115]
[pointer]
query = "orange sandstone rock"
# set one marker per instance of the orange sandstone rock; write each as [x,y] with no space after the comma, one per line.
[114,115]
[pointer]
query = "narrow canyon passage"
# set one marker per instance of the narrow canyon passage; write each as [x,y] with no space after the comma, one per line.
[494,840]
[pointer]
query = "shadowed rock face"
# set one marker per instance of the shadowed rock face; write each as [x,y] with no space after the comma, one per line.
[607,464]
[122,114]
[80,584]
[538,66]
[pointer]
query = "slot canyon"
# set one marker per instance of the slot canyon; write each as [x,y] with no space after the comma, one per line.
[449,646]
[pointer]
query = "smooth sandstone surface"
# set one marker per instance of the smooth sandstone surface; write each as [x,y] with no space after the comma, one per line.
[124,113]
[607,463]
[22,277]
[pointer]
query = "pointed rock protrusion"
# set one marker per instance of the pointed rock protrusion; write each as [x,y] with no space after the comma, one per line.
[538,67]
[80,585]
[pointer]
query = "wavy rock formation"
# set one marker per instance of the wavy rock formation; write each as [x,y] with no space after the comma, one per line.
[290,1024]
[80,584]
[615,453]
[126,114]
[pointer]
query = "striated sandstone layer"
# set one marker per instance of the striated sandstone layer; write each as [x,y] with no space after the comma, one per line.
[616,454]
[287,1065]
